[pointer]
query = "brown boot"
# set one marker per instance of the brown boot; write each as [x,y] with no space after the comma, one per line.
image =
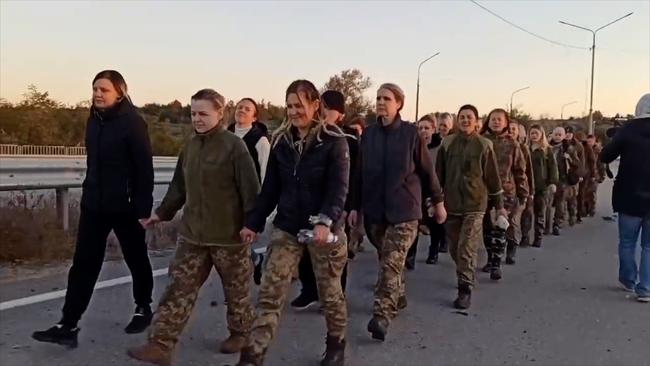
[334,353]
[233,344]
[154,353]
[249,358]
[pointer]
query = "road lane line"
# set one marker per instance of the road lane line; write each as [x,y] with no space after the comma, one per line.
[35,299]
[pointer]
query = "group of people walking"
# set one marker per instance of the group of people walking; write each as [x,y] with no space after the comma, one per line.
[461,183]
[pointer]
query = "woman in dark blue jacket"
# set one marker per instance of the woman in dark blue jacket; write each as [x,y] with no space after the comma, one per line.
[307,180]
[117,193]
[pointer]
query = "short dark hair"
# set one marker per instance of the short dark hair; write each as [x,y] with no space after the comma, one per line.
[469,107]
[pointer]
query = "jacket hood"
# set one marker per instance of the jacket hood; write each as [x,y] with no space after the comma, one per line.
[643,107]
[121,108]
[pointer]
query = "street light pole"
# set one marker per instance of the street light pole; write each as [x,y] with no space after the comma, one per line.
[513,95]
[562,110]
[417,93]
[593,58]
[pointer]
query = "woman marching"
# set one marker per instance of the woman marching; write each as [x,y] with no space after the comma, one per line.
[395,173]
[307,180]
[116,194]
[545,173]
[512,171]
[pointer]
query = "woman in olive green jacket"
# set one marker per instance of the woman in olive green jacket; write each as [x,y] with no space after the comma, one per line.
[467,169]
[545,173]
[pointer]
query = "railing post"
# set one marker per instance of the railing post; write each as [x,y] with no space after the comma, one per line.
[63,207]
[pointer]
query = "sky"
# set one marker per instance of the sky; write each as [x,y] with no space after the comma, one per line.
[168,50]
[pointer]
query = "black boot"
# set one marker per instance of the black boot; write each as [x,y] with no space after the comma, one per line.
[378,327]
[511,251]
[537,243]
[488,266]
[556,231]
[402,303]
[432,259]
[59,334]
[525,241]
[334,352]
[464,299]
[495,271]
[140,321]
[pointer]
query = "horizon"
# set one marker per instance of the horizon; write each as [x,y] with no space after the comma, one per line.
[187,46]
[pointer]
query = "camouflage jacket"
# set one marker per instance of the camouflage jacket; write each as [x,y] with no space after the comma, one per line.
[512,166]
[566,157]
[529,167]
[590,162]
[600,166]
[468,172]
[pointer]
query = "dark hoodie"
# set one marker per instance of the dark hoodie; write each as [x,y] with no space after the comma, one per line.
[119,178]
[631,194]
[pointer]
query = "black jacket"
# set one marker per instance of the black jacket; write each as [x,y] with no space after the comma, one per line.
[119,178]
[252,137]
[353,146]
[300,185]
[631,194]
[396,171]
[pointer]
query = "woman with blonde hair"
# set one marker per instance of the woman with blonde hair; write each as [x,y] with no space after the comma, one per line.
[545,174]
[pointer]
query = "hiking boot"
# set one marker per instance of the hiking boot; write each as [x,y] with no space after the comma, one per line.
[154,353]
[334,352]
[378,327]
[59,334]
[464,299]
[402,303]
[257,270]
[248,358]
[432,260]
[140,321]
[233,344]
[303,301]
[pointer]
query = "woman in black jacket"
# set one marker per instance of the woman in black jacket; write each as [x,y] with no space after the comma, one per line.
[307,180]
[116,195]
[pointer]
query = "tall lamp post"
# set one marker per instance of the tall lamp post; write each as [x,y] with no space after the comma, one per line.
[417,93]
[564,105]
[593,56]
[513,95]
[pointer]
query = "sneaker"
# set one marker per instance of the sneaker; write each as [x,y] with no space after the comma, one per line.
[625,288]
[140,321]
[643,298]
[59,334]
[257,270]
[303,301]
[432,260]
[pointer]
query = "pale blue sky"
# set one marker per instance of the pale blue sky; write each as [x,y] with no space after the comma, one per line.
[169,49]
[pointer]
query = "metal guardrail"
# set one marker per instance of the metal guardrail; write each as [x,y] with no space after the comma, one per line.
[6,149]
[61,173]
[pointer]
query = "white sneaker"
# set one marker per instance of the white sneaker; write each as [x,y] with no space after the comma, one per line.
[643,298]
[625,288]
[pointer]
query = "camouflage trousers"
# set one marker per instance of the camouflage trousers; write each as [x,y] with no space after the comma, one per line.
[464,236]
[514,209]
[283,255]
[392,243]
[588,198]
[188,270]
[564,199]
[572,203]
[540,203]
[527,217]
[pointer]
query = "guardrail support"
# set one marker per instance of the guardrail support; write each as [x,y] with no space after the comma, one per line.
[63,207]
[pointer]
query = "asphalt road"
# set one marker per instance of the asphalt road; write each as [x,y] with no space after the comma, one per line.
[559,305]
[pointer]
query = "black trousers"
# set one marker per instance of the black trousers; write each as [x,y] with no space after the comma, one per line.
[94,228]
[308,278]
[437,239]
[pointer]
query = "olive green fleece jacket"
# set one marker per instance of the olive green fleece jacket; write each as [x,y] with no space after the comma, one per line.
[545,170]
[467,169]
[216,182]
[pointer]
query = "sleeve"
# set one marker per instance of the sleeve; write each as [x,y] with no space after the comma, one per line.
[529,169]
[268,198]
[175,196]
[440,165]
[426,173]
[338,175]
[263,148]
[492,179]
[245,176]
[591,160]
[553,173]
[142,160]
[353,146]
[600,167]
[519,173]
[613,149]
[356,181]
